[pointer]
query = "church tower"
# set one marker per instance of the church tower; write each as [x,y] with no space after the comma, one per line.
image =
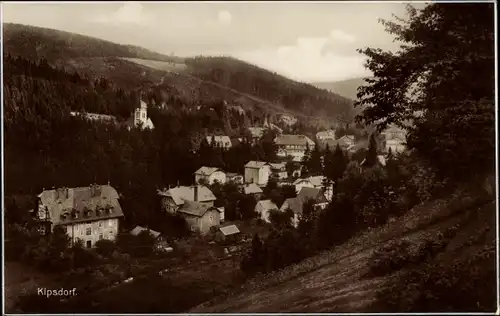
[141,115]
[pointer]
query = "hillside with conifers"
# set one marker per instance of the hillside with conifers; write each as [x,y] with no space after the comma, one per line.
[190,80]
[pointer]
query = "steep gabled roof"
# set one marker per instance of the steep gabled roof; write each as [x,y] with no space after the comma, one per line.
[298,140]
[267,205]
[195,208]
[138,229]
[183,193]
[256,164]
[206,171]
[92,203]
[252,188]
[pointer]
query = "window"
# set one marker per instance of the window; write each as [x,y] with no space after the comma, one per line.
[143,115]
[100,237]
[89,243]
[100,224]
[110,223]
[88,231]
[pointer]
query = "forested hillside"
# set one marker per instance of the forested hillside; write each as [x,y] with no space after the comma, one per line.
[45,146]
[37,42]
[191,80]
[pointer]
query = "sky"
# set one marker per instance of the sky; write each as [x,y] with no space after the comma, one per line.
[308,42]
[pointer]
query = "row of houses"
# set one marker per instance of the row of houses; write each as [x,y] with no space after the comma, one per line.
[93,213]
[393,138]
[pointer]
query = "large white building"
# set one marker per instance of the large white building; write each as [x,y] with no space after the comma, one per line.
[88,214]
[293,145]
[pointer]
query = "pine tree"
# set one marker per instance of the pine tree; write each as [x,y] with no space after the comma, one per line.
[371,155]
[314,165]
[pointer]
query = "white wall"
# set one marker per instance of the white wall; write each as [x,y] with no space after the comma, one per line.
[106,228]
[219,176]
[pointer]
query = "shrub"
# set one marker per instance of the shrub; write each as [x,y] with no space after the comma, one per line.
[464,286]
[389,258]
[105,247]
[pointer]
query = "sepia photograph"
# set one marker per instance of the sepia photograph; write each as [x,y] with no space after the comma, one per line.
[249,157]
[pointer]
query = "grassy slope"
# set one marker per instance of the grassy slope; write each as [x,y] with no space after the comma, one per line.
[134,67]
[334,282]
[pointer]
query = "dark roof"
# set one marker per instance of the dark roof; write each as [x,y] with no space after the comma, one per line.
[296,204]
[307,193]
[183,193]
[91,203]
[256,164]
[206,171]
[299,140]
[195,208]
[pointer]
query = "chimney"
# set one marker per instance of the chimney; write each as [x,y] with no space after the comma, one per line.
[196,193]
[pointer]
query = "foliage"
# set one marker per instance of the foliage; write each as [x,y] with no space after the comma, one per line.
[465,284]
[371,155]
[454,128]
[281,219]
[141,245]
[105,247]
[335,164]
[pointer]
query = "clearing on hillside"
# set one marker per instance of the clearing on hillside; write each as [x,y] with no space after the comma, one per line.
[168,66]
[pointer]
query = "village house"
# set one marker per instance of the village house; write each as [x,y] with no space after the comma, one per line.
[288,119]
[264,207]
[209,175]
[200,217]
[310,182]
[253,189]
[395,139]
[234,178]
[279,170]
[160,241]
[173,199]
[324,135]
[293,145]
[140,118]
[220,141]
[349,140]
[257,172]
[297,203]
[256,133]
[381,161]
[88,213]
[227,234]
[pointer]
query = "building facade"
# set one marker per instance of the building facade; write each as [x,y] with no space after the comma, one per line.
[88,214]
[209,175]
[220,141]
[257,172]
[173,199]
[293,145]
